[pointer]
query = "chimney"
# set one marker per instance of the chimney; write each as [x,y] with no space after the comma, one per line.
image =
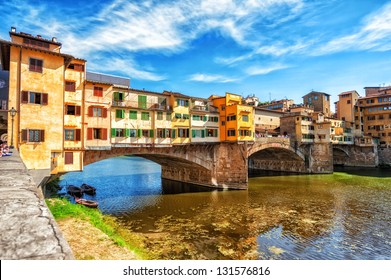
[54,39]
[13,29]
[39,36]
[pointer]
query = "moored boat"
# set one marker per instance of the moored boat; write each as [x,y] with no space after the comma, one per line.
[86,202]
[88,189]
[74,191]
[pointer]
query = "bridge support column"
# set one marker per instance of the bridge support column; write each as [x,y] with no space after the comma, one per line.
[320,158]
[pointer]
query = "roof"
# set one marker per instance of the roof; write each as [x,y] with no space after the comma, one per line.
[5,52]
[38,38]
[107,79]
[347,92]
[316,92]
[176,94]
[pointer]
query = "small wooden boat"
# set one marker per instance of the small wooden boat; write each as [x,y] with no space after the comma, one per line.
[86,202]
[74,191]
[88,189]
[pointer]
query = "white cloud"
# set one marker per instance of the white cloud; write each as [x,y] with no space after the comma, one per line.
[263,70]
[207,78]
[374,34]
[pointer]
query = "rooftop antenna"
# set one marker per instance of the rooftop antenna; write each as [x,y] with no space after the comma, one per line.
[270,97]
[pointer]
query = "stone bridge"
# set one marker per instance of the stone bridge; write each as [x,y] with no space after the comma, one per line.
[225,165]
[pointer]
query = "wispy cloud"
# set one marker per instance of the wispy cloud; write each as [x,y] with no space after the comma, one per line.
[263,70]
[374,34]
[208,78]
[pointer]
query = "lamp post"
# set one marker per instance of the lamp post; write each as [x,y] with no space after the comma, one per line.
[13,113]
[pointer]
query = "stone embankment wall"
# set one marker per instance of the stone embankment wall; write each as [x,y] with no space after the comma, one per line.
[384,156]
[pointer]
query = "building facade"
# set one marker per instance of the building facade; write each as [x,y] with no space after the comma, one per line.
[319,100]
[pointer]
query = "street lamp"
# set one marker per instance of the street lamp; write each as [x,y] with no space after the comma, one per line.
[13,113]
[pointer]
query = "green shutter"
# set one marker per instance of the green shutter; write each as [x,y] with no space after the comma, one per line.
[133,115]
[142,101]
[203,133]
[193,133]
[139,133]
[116,96]
[173,135]
[127,132]
[113,132]
[151,133]
[120,114]
[205,118]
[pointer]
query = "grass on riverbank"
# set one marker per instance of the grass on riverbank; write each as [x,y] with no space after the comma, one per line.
[75,219]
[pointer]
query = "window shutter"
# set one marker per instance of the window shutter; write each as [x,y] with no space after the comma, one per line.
[44,99]
[77,110]
[24,135]
[151,133]
[193,133]
[127,132]
[113,132]
[139,133]
[68,158]
[42,136]
[25,97]
[77,134]
[90,131]
[104,112]
[116,96]
[90,111]
[173,135]
[104,133]
[203,133]
[187,103]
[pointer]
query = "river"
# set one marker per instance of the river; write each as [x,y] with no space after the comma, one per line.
[345,215]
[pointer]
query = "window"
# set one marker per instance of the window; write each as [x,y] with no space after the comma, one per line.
[159,116]
[72,110]
[70,86]
[72,134]
[96,133]
[223,123]
[182,102]
[168,116]
[245,118]
[119,96]
[120,114]
[231,132]
[198,133]
[196,118]
[178,115]
[348,101]
[222,107]
[145,116]
[34,98]
[244,132]
[213,119]
[133,115]
[68,158]
[142,101]
[231,118]
[36,43]
[185,116]
[97,112]
[381,117]
[145,133]
[183,132]
[163,133]
[371,118]
[98,91]
[212,132]
[315,97]
[76,66]
[33,135]
[118,132]
[35,65]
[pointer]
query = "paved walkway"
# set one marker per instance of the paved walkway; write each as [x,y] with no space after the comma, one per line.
[27,227]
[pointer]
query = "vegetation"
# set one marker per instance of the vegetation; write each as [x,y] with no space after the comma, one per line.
[62,209]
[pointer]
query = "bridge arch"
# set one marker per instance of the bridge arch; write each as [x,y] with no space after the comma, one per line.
[277,155]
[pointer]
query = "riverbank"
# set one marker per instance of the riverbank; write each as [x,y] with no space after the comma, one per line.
[94,236]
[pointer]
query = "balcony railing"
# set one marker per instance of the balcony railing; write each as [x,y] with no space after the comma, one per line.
[146,106]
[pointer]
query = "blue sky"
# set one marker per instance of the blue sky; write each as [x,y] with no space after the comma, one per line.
[271,48]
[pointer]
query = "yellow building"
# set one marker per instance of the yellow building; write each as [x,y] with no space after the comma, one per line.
[236,119]
[180,116]
[37,91]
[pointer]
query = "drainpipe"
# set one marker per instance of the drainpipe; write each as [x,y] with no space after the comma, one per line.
[17,99]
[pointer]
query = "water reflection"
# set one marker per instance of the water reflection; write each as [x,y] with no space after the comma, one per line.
[335,216]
